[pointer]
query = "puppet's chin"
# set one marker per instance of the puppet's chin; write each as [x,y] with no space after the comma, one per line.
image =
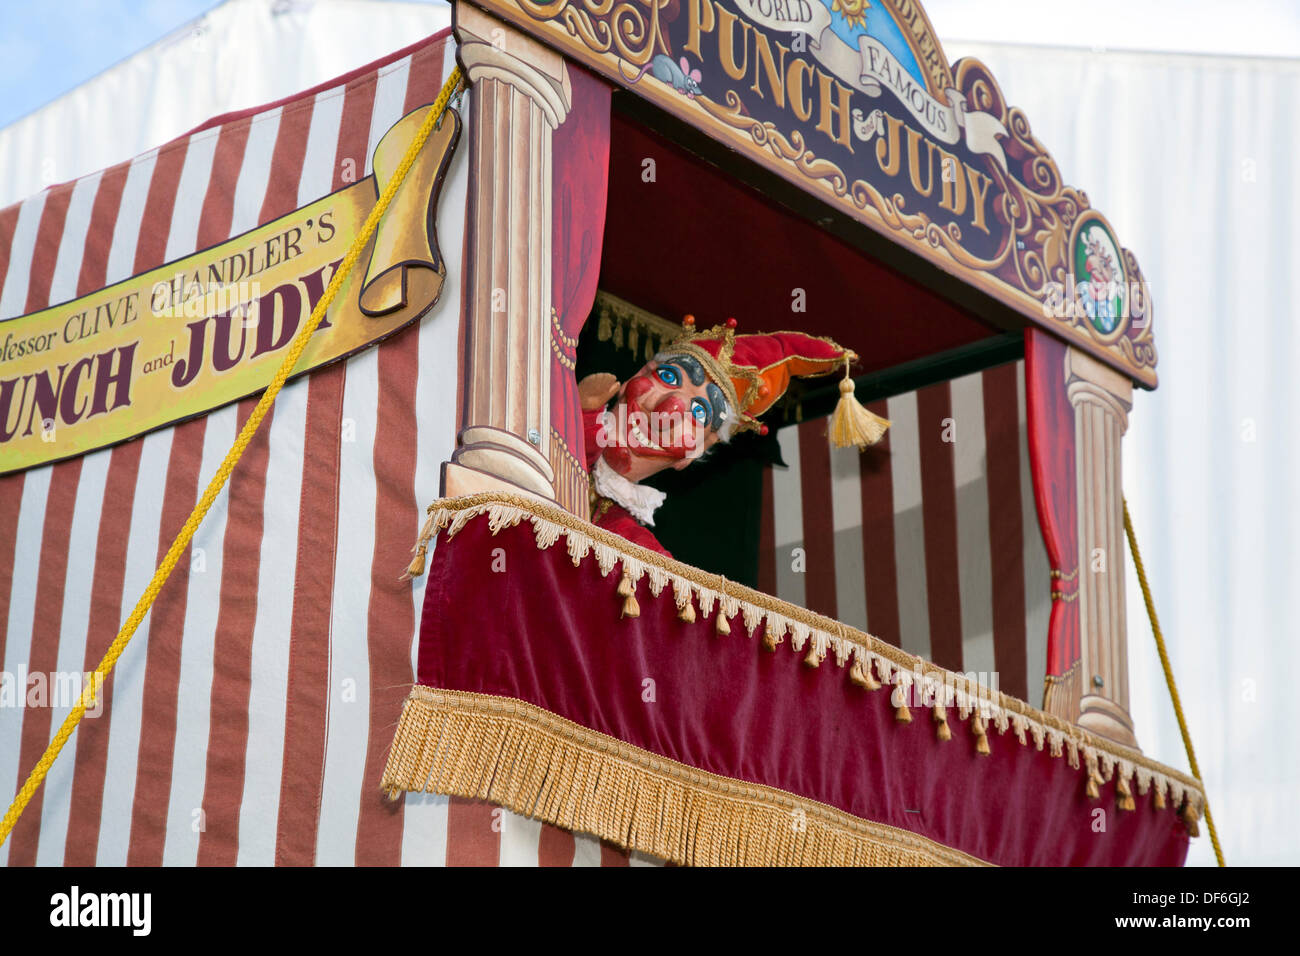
[619,459]
[634,467]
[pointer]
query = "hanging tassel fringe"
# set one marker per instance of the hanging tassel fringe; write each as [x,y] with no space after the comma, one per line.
[979,728]
[901,713]
[860,674]
[416,567]
[941,728]
[852,422]
[1125,793]
[627,591]
[1095,780]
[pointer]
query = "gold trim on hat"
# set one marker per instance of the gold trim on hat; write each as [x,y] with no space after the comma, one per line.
[721,369]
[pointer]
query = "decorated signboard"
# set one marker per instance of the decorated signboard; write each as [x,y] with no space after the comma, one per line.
[203,331]
[855,102]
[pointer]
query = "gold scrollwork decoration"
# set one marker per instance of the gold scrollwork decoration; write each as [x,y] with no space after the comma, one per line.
[631,29]
[1039,211]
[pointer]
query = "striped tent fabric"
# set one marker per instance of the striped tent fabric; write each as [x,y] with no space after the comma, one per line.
[249,720]
[930,539]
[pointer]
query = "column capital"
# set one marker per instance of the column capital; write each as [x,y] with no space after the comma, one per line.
[1088,380]
[492,49]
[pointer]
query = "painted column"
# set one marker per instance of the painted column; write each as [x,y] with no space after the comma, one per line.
[1101,398]
[520,94]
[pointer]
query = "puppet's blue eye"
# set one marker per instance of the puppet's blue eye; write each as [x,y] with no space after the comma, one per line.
[700,411]
[669,376]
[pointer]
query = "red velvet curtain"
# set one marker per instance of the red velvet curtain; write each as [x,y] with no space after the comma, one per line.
[579,191]
[528,625]
[1051,456]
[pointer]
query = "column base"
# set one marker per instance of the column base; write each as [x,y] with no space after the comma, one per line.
[488,459]
[1102,716]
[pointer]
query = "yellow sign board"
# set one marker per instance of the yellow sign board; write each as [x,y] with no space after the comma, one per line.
[211,328]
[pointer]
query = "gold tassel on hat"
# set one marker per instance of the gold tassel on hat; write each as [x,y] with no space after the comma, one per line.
[853,423]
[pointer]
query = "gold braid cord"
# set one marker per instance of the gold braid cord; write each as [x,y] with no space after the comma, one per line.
[535,763]
[1169,676]
[182,541]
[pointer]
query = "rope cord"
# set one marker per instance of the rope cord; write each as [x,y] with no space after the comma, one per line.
[1169,676]
[164,570]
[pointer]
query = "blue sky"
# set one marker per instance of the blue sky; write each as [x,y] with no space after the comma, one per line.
[48,48]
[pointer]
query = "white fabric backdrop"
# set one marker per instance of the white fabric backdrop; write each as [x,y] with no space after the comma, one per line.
[1192,158]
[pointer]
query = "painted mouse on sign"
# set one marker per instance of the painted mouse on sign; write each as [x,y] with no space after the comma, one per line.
[681,77]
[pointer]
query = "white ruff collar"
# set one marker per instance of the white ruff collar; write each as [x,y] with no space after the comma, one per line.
[640,500]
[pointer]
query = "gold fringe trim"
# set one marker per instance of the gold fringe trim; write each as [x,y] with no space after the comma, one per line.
[1061,693]
[909,676]
[572,485]
[620,321]
[534,763]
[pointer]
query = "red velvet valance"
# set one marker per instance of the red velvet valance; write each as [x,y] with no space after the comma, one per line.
[522,627]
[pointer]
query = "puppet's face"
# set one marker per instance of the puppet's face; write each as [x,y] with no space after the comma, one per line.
[667,415]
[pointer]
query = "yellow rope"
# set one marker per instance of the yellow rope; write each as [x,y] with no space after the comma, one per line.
[1169,676]
[182,541]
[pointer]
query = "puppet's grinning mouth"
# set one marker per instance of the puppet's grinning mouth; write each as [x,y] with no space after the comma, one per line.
[641,438]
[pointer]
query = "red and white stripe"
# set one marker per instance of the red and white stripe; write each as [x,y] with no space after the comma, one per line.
[929,540]
[250,718]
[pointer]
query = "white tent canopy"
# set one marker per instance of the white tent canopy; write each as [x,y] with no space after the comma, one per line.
[242,54]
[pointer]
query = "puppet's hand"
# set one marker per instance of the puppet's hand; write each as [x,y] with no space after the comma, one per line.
[596,389]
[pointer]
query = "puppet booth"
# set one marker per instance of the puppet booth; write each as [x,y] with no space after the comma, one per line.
[651,431]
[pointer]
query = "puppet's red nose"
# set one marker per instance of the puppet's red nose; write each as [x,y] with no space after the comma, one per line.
[672,404]
[638,386]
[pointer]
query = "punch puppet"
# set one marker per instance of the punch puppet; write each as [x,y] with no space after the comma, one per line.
[703,388]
